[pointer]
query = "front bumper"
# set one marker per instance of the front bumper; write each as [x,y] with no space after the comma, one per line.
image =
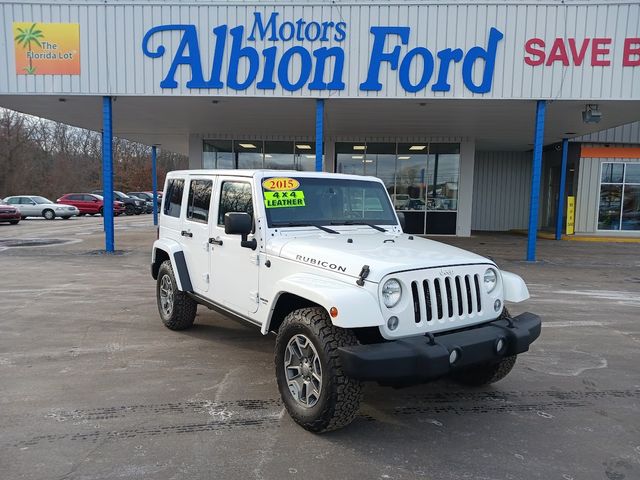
[415,359]
[10,216]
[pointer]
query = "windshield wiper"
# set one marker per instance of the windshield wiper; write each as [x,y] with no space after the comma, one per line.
[294,224]
[349,222]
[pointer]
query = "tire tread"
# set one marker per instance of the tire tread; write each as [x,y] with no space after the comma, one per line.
[344,403]
[184,307]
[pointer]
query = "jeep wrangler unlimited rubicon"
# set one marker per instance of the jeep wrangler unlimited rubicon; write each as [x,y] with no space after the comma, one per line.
[321,260]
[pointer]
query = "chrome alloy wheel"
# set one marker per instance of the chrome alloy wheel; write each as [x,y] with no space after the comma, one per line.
[166,295]
[303,371]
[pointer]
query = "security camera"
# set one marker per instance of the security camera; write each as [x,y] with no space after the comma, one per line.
[591,114]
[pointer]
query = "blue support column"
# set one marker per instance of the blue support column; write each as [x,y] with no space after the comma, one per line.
[536,170]
[107,173]
[319,132]
[154,184]
[563,181]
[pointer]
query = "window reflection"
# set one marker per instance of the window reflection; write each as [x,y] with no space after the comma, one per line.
[248,153]
[218,154]
[619,207]
[420,178]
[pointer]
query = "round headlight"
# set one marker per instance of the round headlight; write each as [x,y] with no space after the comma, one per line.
[490,280]
[391,292]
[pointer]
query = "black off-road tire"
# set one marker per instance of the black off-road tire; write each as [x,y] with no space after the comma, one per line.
[487,374]
[101,212]
[183,313]
[340,395]
[129,210]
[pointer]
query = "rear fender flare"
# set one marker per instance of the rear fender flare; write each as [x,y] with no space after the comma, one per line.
[174,251]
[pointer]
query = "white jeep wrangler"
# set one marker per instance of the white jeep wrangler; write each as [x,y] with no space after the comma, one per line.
[321,260]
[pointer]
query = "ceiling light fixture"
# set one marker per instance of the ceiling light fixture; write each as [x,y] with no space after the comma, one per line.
[359,147]
[247,145]
[304,147]
[417,147]
[407,157]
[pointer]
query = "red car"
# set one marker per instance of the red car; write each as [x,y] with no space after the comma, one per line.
[89,203]
[9,213]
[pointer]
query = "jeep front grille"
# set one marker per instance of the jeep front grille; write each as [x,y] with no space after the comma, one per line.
[446,297]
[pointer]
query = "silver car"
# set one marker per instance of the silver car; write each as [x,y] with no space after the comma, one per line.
[37,206]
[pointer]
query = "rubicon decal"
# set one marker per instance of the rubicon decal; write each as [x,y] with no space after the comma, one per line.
[321,263]
[289,62]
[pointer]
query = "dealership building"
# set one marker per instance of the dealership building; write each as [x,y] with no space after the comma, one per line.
[477,115]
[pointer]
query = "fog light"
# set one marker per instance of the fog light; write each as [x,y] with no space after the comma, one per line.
[500,345]
[392,323]
[496,305]
[454,356]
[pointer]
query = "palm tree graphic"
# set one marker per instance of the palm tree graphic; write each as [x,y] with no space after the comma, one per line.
[26,38]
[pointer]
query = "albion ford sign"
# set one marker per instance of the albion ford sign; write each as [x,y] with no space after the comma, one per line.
[322,67]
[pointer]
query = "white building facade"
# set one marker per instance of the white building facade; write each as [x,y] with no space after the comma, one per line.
[436,98]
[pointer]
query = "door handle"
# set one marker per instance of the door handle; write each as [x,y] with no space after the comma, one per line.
[215,241]
[186,233]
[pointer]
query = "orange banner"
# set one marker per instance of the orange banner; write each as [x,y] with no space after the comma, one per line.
[47,48]
[610,152]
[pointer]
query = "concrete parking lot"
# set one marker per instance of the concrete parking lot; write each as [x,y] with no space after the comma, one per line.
[93,386]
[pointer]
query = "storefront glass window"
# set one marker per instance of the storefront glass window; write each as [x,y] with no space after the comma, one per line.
[278,155]
[420,178]
[217,154]
[619,207]
[249,153]
[305,156]
[350,158]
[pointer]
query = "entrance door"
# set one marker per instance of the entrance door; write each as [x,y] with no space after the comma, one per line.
[195,232]
[234,269]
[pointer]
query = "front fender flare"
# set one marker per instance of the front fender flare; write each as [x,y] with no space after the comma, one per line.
[174,250]
[515,290]
[357,307]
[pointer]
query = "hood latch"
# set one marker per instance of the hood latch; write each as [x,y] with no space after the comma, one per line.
[364,273]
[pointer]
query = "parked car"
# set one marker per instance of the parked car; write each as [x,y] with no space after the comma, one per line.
[148,198]
[131,205]
[37,206]
[9,213]
[415,204]
[400,200]
[89,204]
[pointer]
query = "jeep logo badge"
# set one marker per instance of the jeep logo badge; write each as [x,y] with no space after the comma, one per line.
[446,273]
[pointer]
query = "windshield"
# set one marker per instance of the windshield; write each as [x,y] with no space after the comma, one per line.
[325,201]
[2,202]
[41,200]
[99,197]
[120,194]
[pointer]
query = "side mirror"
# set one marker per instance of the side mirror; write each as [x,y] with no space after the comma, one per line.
[240,223]
[403,221]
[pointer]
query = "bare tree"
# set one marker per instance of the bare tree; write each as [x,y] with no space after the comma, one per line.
[42,157]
